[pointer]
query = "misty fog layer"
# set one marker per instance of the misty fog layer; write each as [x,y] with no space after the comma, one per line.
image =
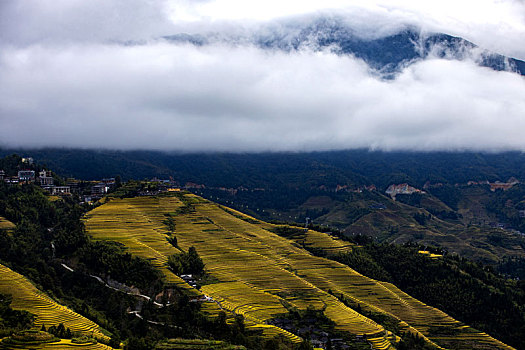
[74,89]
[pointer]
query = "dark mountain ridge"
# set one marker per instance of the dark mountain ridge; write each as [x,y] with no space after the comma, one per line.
[295,170]
[341,189]
[387,54]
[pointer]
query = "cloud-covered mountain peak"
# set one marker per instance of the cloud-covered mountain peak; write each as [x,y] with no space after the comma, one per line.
[386,51]
[311,82]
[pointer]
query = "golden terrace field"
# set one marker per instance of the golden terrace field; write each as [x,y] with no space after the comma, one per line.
[6,224]
[259,271]
[27,297]
[138,225]
[66,344]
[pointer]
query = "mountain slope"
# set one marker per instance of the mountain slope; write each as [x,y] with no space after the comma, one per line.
[260,274]
[48,313]
[388,53]
[324,186]
[296,170]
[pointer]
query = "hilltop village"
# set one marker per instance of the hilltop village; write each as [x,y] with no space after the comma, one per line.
[87,191]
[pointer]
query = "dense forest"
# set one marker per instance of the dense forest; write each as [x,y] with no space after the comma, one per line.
[293,170]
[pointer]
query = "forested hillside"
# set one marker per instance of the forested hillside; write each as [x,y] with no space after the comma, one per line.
[84,291]
[272,170]
[150,266]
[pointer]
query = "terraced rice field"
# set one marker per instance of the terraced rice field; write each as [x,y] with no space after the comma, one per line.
[137,223]
[326,242]
[309,238]
[260,272]
[253,303]
[196,344]
[27,297]
[66,344]
[429,254]
[6,224]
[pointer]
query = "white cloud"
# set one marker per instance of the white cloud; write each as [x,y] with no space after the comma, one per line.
[497,25]
[41,21]
[66,79]
[180,97]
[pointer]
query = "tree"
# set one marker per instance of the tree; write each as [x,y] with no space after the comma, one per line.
[173,241]
[186,262]
[195,263]
[118,181]
[239,322]
[61,331]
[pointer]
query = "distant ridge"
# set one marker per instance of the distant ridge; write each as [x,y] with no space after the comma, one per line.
[387,54]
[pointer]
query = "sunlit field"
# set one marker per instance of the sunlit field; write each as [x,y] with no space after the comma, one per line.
[48,313]
[261,274]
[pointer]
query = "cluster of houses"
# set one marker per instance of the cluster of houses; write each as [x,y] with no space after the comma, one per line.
[89,191]
[162,185]
[23,176]
[99,189]
[498,185]
[44,179]
[189,279]
[503,185]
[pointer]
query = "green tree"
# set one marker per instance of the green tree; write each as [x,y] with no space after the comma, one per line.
[195,263]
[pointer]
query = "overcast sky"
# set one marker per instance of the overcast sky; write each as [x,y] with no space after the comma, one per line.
[95,74]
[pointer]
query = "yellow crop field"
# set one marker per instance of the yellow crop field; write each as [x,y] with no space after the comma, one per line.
[137,223]
[429,254]
[66,344]
[261,274]
[6,224]
[197,344]
[325,242]
[27,297]
[271,331]
[253,303]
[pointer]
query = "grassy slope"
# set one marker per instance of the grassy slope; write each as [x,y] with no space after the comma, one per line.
[66,344]
[259,272]
[6,224]
[396,224]
[27,297]
[137,223]
[197,344]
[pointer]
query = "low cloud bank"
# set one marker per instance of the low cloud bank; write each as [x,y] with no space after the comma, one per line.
[223,98]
